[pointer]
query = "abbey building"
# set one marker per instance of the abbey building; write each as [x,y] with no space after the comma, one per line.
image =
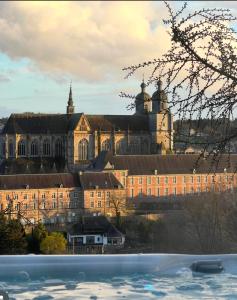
[78,138]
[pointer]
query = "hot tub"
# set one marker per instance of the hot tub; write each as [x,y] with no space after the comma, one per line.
[135,276]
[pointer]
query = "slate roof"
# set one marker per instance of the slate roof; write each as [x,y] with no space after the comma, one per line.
[62,123]
[41,123]
[39,181]
[166,164]
[89,180]
[95,225]
[118,122]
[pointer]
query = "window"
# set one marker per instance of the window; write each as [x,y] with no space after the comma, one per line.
[46,148]
[184,179]
[61,195]
[92,204]
[166,180]
[43,205]
[90,240]
[91,194]
[99,194]
[121,147]
[33,196]
[25,196]
[59,149]
[131,193]
[54,205]
[198,179]
[83,150]
[25,206]
[206,179]
[174,180]
[140,180]
[34,149]
[148,192]
[107,203]
[107,194]
[131,181]
[15,197]
[158,192]
[106,145]
[191,179]
[11,149]
[148,180]
[140,193]
[213,179]
[175,191]
[8,197]
[35,205]
[198,189]
[75,195]
[158,180]
[43,196]
[21,148]
[166,191]
[99,203]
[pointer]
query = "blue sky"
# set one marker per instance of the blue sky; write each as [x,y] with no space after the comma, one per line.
[45,45]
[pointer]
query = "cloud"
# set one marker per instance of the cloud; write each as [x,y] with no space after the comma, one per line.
[4,78]
[85,40]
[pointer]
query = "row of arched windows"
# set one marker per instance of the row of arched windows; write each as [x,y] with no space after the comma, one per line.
[34,148]
[121,147]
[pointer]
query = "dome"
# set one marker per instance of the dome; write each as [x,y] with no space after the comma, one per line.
[143,96]
[159,98]
[143,101]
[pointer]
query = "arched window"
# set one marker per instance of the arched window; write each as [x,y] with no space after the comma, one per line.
[134,147]
[59,149]
[21,148]
[121,147]
[46,148]
[10,149]
[34,148]
[83,150]
[3,149]
[106,146]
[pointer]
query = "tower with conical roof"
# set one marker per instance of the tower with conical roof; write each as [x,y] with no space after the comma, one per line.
[143,101]
[161,122]
[70,106]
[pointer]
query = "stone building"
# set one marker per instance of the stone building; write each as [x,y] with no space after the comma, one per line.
[77,138]
[58,198]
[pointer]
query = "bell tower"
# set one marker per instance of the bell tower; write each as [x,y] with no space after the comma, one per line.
[161,122]
[70,106]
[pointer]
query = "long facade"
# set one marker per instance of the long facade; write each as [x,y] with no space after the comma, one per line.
[78,138]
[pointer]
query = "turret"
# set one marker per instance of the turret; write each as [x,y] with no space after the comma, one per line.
[159,99]
[143,101]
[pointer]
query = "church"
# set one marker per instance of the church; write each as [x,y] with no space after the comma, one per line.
[78,138]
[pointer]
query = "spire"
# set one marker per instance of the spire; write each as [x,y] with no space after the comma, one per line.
[70,107]
[143,86]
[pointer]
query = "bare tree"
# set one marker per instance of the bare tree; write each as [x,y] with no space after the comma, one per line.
[117,205]
[200,73]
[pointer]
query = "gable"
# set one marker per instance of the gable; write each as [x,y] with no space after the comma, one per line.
[83,124]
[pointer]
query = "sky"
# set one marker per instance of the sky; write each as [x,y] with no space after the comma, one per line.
[46,45]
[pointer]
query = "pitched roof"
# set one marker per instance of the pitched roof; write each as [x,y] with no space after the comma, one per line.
[167,164]
[89,180]
[41,123]
[39,181]
[93,225]
[118,122]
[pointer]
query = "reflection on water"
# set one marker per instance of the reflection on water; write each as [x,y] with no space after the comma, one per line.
[183,285]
